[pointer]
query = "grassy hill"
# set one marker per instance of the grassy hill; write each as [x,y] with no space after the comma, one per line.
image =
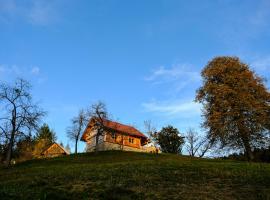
[129,175]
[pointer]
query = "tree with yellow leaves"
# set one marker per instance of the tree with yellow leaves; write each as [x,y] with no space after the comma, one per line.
[236,104]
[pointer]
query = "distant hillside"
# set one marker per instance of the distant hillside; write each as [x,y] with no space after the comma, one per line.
[129,175]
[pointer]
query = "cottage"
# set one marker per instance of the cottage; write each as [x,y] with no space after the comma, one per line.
[116,136]
[54,150]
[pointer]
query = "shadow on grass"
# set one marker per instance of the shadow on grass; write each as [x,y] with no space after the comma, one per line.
[120,193]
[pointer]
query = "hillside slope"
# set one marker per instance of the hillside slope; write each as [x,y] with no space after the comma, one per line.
[129,175]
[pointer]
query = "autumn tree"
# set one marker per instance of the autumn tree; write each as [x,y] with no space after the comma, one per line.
[169,140]
[19,115]
[236,104]
[78,123]
[196,145]
[44,138]
[24,148]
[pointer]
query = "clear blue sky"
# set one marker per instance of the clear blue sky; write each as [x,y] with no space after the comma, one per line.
[142,58]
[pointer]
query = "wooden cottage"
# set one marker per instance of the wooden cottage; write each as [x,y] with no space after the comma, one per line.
[116,136]
[54,150]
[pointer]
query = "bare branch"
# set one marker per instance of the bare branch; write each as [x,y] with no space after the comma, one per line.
[196,145]
[21,113]
[98,112]
[75,131]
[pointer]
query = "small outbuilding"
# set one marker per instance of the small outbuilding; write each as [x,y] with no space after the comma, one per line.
[54,150]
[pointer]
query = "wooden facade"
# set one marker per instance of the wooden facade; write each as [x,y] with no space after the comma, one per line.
[116,137]
[123,139]
[54,150]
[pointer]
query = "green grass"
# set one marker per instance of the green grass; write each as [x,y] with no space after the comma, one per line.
[129,175]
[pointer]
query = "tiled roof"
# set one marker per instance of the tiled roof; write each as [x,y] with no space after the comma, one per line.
[129,130]
[123,128]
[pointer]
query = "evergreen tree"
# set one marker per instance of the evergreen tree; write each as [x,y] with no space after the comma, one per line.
[44,138]
[46,133]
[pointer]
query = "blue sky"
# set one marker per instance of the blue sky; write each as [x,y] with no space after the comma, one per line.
[142,58]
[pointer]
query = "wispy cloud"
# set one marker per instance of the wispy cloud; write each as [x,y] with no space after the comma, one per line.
[9,72]
[37,12]
[42,12]
[261,64]
[181,77]
[174,73]
[35,70]
[185,109]
[178,75]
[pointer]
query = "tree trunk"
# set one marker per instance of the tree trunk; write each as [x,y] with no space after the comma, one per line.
[192,149]
[76,145]
[12,136]
[248,151]
[10,149]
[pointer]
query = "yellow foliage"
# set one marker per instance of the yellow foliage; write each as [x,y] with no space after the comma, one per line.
[39,147]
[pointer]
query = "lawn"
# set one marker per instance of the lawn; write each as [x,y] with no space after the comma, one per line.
[129,175]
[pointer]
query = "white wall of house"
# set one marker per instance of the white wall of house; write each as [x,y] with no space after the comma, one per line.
[91,143]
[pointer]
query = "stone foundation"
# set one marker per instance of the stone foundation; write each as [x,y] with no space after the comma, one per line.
[106,146]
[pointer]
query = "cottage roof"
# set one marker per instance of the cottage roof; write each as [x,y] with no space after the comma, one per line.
[59,146]
[126,129]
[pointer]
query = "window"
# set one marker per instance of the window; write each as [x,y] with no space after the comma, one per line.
[131,140]
[113,136]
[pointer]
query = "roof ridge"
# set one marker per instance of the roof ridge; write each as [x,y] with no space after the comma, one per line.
[117,126]
[121,124]
[49,146]
[129,126]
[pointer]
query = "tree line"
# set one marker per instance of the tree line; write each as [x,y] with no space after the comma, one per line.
[236,115]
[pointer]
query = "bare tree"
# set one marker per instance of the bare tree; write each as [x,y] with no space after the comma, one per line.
[196,145]
[150,130]
[192,145]
[19,115]
[98,112]
[75,131]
